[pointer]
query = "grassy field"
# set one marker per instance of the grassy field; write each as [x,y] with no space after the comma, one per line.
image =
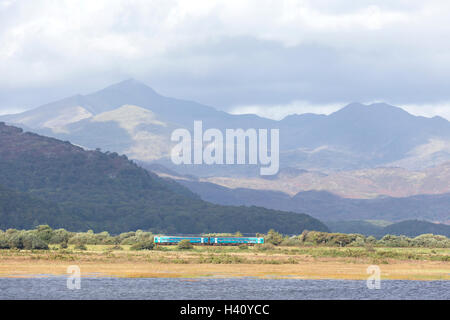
[279,262]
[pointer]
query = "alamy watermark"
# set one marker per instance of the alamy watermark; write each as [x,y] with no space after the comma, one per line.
[74,280]
[374,280]
[239,146]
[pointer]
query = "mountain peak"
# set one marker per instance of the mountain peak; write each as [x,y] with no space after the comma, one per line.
[129,85]
[129,91]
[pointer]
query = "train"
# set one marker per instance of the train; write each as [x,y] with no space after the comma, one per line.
[214,241]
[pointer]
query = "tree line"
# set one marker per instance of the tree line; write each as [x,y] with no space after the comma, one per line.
[42,236]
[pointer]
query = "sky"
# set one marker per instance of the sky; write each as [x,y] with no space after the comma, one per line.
[272,58]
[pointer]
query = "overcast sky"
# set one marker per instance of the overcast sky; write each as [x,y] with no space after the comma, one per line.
[268,57]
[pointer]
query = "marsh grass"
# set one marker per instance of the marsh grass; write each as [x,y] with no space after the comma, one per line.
[231,255]
[309,262]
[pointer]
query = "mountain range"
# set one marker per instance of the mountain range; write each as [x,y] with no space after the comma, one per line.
[355,184]
[131,118]
[361,162]
[322,205]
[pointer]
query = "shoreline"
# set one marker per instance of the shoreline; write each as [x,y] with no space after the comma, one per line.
[201,278]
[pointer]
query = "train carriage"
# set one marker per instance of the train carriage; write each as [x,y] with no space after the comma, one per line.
[216,241]
[235,240]
[168,240]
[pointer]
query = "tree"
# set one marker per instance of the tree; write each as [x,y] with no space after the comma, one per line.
[273,237]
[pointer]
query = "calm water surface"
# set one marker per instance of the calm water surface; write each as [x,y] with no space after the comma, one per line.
[241,288]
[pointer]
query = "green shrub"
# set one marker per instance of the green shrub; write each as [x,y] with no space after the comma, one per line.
[273,237]
[431,241]
[4,243]
[60,236]
[131,238]
[27,240]
[32,242]
[390,240]
[15,241]
[332,239]
[144,245]
[44,232]
[291,242]
[371,240]
[185,245]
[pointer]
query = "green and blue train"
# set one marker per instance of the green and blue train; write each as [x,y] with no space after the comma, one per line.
[214,241]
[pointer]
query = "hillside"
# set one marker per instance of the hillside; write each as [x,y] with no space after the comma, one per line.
[18,209]
[55,182]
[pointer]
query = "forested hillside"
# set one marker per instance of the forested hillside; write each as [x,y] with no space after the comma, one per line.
[47,181]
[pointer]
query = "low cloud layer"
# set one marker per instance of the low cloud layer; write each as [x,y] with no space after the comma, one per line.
[274,57]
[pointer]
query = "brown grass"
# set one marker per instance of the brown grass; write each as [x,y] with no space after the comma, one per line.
[226,262]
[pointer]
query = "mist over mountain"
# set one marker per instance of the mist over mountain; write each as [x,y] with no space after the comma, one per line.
[131,118]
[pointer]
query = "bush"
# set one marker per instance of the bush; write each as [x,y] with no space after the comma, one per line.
[15,241]
[431,241]
[371,240]
[243,247]
[59,236]
[131,238]
[44,232]
[32,242]
[4,243]
[63,245]
[185,245]
[144,245]
[83,238]
[273,237]
[291,242]
[332,239]
[27,240]
[390,240]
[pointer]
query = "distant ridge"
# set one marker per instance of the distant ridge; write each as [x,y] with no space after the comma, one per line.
[409,228]
[325,206]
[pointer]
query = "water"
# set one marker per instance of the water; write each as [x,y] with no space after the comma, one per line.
[240,288]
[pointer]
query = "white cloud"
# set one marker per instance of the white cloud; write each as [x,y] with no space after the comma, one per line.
[429,110]
[392,49]
[4,111]
[48,40]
